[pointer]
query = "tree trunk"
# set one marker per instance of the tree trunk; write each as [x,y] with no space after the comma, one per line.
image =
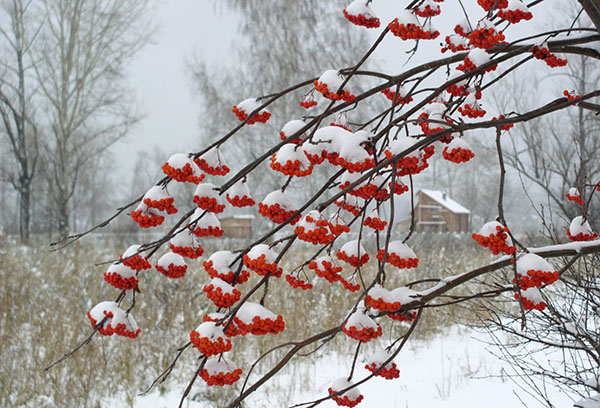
[24,212]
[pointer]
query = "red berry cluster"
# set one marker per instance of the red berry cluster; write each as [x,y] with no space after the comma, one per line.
[411,31]
[457,90]
[449,45]
[458,155]
[485,38]
[259,117]
[350,284]
[208,232]
[535,278]
[365,334]
[544,54]
[116,280]
[389,373]
[529,305]
[472,111]
[356,167]
[375,223]
[398,261]
[488,4]
[428,11]
[353,259]
[295,282]
[240,202]
[276,214]
[582,236]
[408,316]
[381,305]
[227,277]
[221,378]
[121,330]
[496,242]
[259,326]
[261,267]
[409,165]
[514,16]
[185,174]
[136,262]
[318,233]
[468,65]
[347,206]
[147,219]
[345,401]
[571,96]
[361,20]
[219,298]
[209,347]
[390,94]
[188,252]
[290,168]
[576,198]
[164,204]
[342,95]
[172,271]
[326,270]
[209,204]
[214,171]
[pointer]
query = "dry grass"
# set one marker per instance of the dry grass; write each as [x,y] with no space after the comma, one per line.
[44,297]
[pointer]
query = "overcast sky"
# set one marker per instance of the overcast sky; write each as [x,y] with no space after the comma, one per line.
[163,84]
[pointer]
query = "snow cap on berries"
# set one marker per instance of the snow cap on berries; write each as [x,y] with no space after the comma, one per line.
[207,198]
[360,13]
[212,162]
[171,265]
[291,128]
[353,253]
[182,169]
[246,107]
[218,371]
[210,339]
[291,161]
[158,197]
[121,277]
[350,398]
[361,327]
[400,255]
[257,320]
[207,224]
[532,299]
[580,230]
[134,259]
[278,207]
[239,195]
[184,244]
[218,266]
[377,359]
[261,259]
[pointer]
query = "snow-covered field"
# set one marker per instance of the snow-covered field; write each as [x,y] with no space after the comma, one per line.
[453,370]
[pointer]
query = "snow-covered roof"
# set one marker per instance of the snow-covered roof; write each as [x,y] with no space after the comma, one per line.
[445,201]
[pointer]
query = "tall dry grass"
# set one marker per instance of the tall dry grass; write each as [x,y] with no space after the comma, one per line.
[44,297]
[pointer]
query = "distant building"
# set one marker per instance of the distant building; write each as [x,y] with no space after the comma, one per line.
[435,211]
[237,226]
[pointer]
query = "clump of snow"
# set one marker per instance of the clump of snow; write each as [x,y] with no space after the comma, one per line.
[249,310]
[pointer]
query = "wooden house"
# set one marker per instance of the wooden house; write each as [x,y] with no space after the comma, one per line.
[435,211]
[237,226]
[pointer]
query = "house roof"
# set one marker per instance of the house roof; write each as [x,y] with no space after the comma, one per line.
[445,201]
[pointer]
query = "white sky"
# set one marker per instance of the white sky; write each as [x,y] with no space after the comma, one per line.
[162,80]
[163,83]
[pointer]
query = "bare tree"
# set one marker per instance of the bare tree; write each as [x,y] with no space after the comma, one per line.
[83,55]
[16,108]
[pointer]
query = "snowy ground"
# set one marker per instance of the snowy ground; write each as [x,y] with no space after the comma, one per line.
[454,370]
